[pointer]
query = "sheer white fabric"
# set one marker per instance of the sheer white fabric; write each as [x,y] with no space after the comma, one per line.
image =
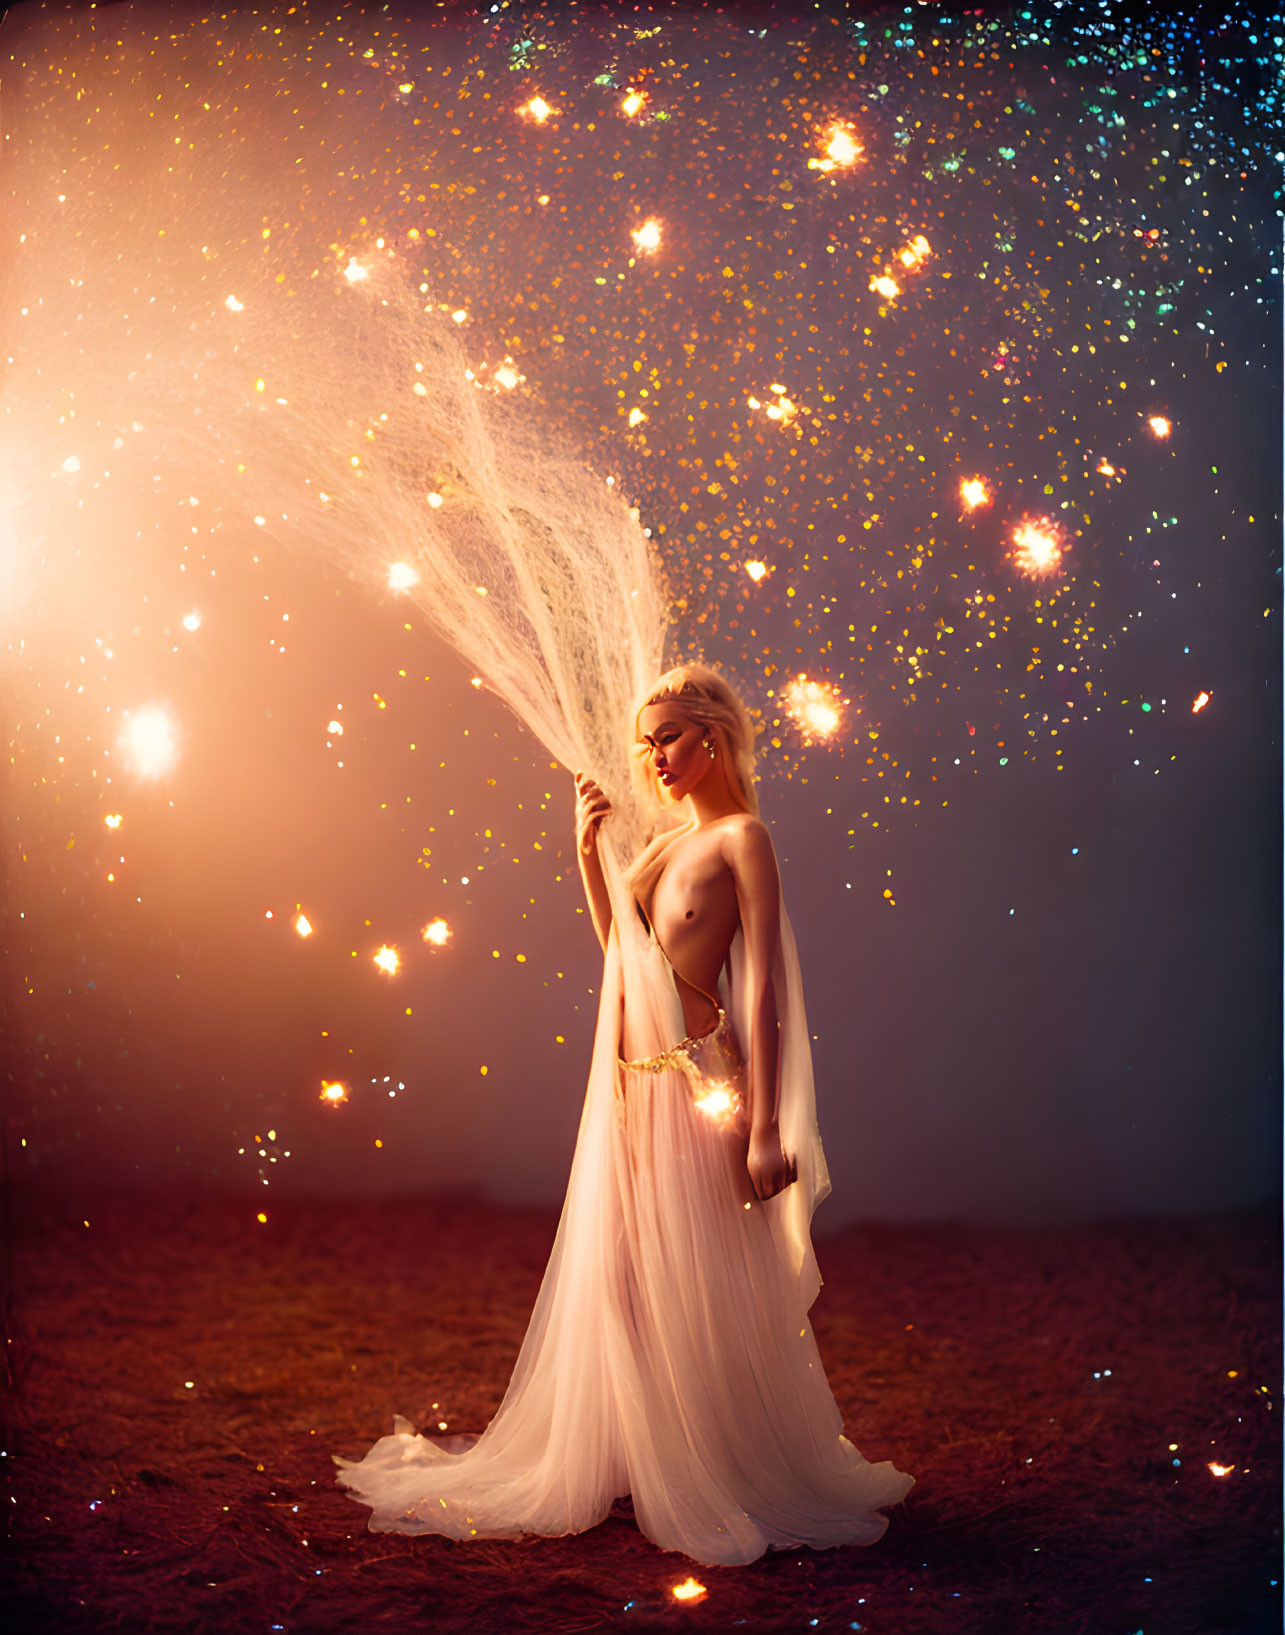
[669,1355]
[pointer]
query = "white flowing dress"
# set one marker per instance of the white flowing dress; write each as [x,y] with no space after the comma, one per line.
[669,1356]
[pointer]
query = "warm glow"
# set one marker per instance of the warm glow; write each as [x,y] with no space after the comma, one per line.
[354,272]
[335,727]
[974,492]
[148,740]
[632,102]
[756,570]
[815,705]
[539,109]
[388,960]
[689,1590]
[717,1102]
[401,576]
[636,417]
[841,149]
[1201,700]
[333,1092]
[915,253]
[1160,425]
[506,376]
[303,925]
[233,305]
[437,932]
[1037,548]
[1220,1470]
[647,237]
[113,819]
[191,621]
[885,286]
[1106,469]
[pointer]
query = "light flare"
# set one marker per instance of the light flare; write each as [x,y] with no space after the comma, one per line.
[354,272]
[719,1102]
[191,621]
[841,150]
[974,492]
[915,253]
[401,576]
[333,1092]
[388,960]
[437,932]
[113,820]
[1161,425]
[756,570]
[886,286]
[1201,700]
[539,109]
[632,102]
[1037,548]
[647,237]
[816,706]
[149,741]
[303,925]
[689,1590]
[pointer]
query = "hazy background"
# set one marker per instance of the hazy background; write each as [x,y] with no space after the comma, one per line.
[1068,1008]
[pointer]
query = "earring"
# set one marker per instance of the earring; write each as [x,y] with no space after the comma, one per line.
[709,745]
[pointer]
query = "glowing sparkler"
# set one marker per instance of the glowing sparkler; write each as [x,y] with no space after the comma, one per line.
[354,272]
[437,932]
[719,1102]
[841,149]
[1201,700]
[885,286]
[507,376]
[647,237]
[149,741]
[333,1093]
[303,925]
[689,1590]
[974,492]
[1106,469]
[636,417]
[1160,425]
[388,960]
[816,707]
[113,819]
[1216,1469]
[632,102]
[539,109]
[756,570]
[915,253]
[1037,548]
[401,576]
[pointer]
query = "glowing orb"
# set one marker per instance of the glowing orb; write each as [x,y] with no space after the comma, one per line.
[756,570]
[435,500]
[191,621]
[1037,548]
[1160,425]
[303,925]
[1106,469]
[71,463]
[647,237]
[354,272]
[233,305]
[915,253]
[401,576]
[636,417]
[841,149]
[1201,700]
[506,376]
[113,820]
[388,960]
[333,1093]
[1220,1470]
[459,316]
[539,109]
[885,286]
[718,1102]
[335,727]
[149,741]
[437,932]
[974,492]
[689,1590]
[632,102]
[816,707]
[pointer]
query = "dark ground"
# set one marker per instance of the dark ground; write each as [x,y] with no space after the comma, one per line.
[1047,1499]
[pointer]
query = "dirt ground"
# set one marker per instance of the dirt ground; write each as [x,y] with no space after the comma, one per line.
[180,1375]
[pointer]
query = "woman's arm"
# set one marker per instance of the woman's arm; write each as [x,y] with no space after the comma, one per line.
[749,854]
[591,807]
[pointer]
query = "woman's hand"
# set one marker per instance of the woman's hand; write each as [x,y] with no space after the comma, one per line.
[770,1170]
[591,807]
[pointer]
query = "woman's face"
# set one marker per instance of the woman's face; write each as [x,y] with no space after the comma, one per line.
[675,747]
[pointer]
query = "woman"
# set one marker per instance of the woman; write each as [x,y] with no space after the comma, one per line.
[669,1357]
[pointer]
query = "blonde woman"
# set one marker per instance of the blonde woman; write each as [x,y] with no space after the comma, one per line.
[669,1359]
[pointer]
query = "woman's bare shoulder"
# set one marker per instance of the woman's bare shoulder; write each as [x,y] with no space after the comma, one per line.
[747,836]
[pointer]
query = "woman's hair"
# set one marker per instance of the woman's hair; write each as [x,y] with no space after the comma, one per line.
[704,697]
